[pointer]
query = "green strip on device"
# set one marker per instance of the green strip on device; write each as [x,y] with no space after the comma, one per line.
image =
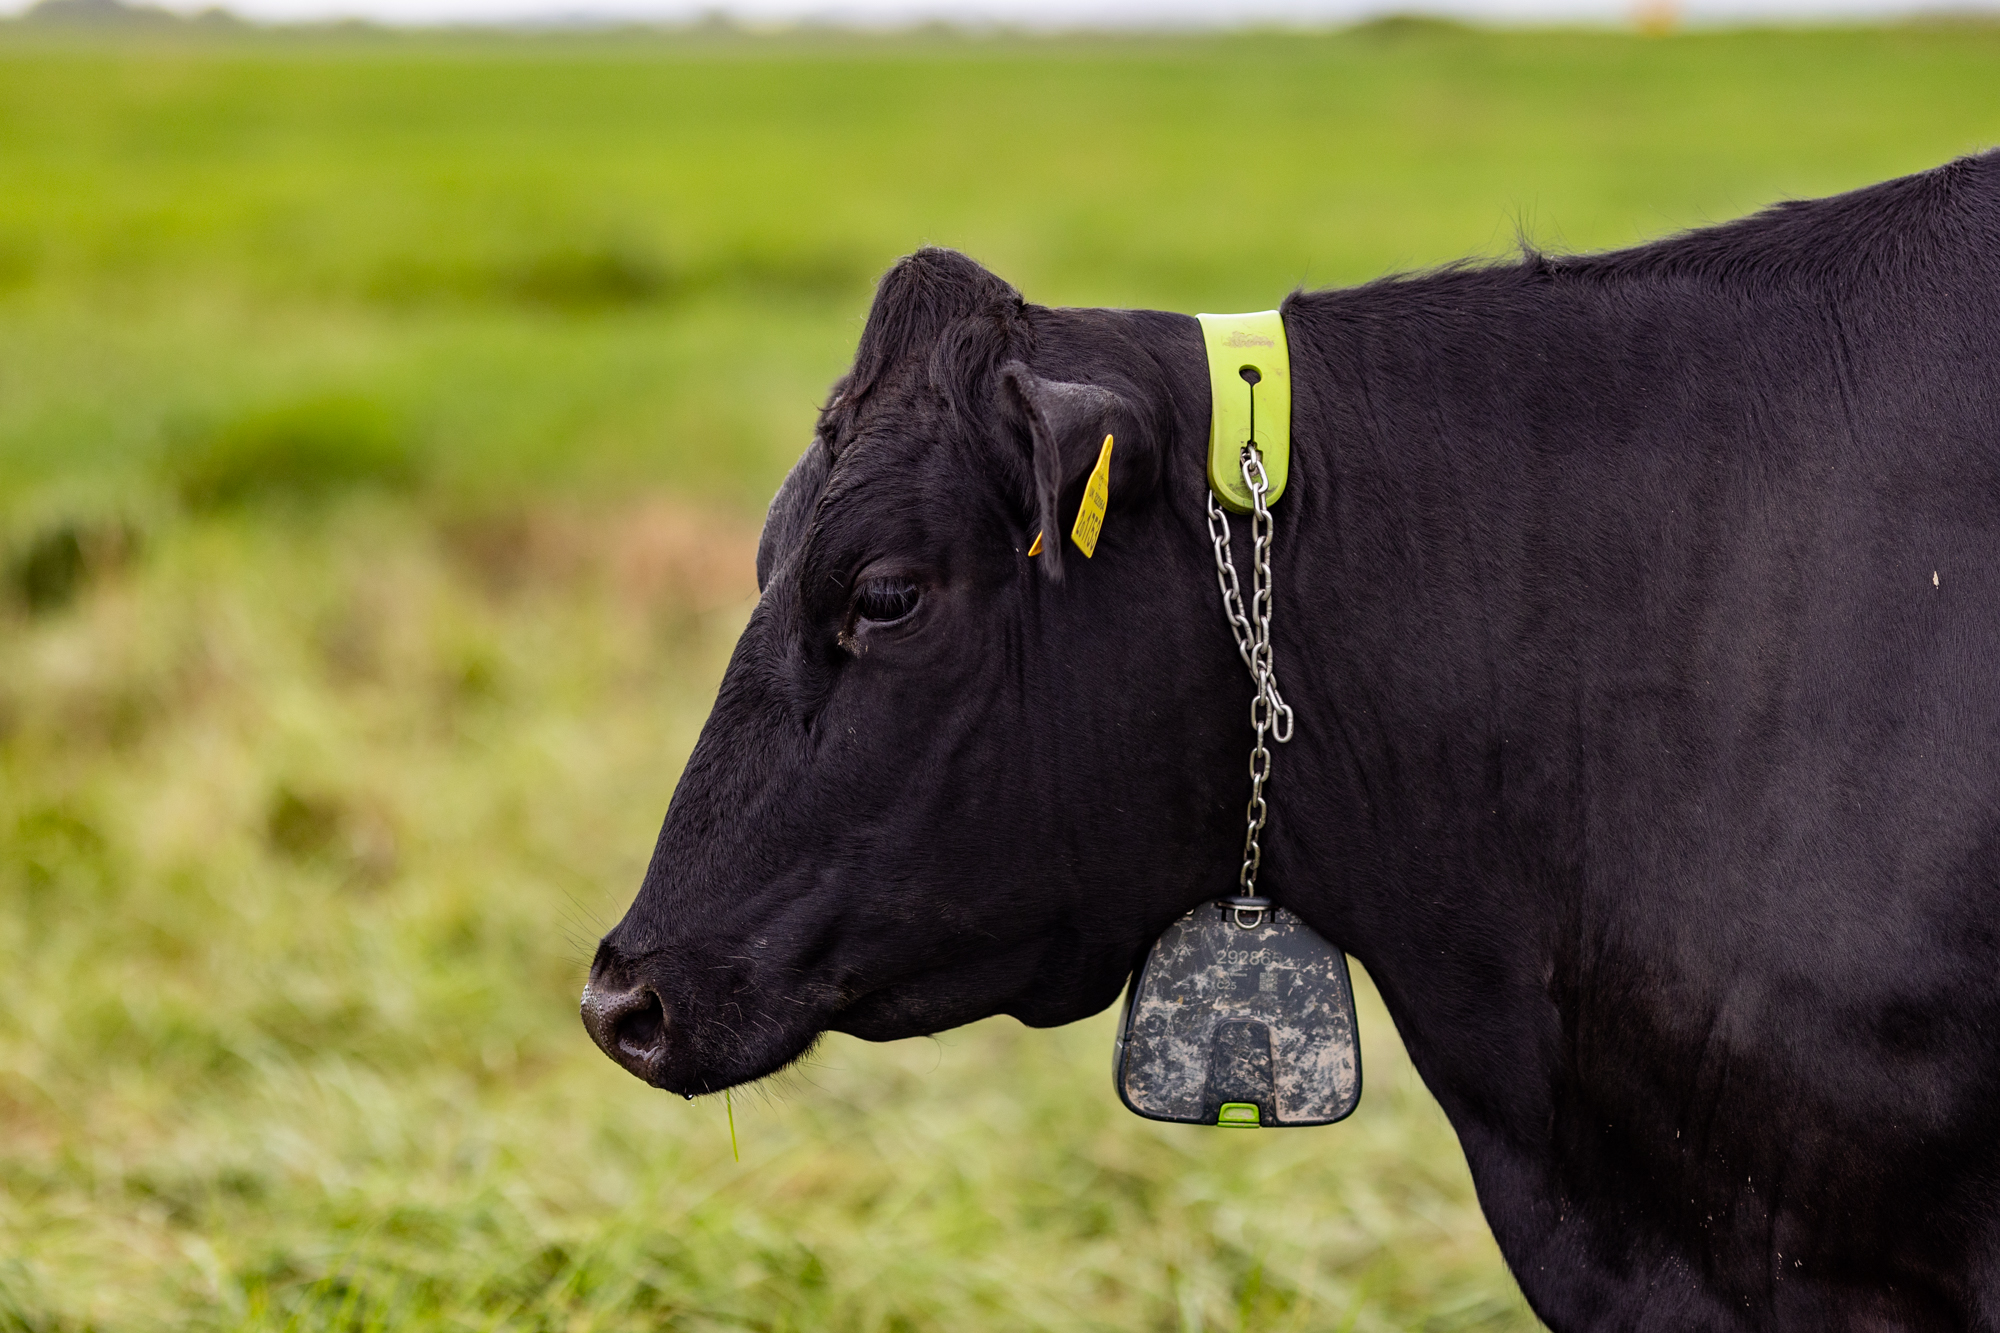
[1234,342]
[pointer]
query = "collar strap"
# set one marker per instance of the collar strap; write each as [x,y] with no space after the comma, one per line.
[1249,381]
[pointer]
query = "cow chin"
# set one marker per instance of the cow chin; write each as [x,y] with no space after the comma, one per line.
[1017,982]
[939,998]
[903,1011]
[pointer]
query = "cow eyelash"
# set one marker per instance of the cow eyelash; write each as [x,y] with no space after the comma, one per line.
[884,601]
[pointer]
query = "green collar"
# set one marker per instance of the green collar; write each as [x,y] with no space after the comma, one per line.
[1235,342]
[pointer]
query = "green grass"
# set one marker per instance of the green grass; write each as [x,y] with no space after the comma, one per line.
[350,642]
[586,263]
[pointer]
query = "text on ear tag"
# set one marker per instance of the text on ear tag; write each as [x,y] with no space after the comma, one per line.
[1096,495]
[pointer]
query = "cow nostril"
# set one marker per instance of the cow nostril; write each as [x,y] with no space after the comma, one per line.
[630,1026]
[640,1030]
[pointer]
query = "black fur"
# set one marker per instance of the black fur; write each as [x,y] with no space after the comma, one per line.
[1642,616]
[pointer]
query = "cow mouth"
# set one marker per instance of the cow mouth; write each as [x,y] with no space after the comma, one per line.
[633,1026]
[634,1019]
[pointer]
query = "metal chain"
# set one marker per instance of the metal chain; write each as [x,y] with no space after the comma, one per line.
[1269,713]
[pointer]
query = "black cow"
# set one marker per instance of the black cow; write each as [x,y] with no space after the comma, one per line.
[1641,612]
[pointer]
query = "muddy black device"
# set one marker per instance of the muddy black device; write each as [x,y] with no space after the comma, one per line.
[1241,1016]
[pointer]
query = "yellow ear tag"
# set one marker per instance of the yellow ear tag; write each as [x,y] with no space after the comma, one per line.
[1036,549]
[1096,494]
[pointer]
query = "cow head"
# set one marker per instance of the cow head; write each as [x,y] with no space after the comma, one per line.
[944,779]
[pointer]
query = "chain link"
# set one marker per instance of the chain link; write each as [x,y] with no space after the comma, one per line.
[1269,713]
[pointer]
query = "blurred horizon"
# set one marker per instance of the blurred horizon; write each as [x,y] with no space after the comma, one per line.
[1001,17]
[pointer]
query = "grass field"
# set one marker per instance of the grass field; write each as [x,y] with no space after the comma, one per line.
[383,427]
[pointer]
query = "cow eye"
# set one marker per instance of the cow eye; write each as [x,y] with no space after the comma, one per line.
[884,600]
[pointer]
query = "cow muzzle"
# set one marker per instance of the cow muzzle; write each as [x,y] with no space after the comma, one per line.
[629,1025]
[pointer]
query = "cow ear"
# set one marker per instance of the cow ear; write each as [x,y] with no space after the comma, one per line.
[1067,423]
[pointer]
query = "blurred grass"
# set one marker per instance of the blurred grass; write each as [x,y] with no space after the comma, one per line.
[383,422]
[583,262]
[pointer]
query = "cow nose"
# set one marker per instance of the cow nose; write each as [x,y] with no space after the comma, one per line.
[628,1025]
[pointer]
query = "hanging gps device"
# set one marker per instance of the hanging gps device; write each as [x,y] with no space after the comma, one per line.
[1242,1016]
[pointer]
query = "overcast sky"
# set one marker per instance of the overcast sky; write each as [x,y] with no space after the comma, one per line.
[1071,13]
